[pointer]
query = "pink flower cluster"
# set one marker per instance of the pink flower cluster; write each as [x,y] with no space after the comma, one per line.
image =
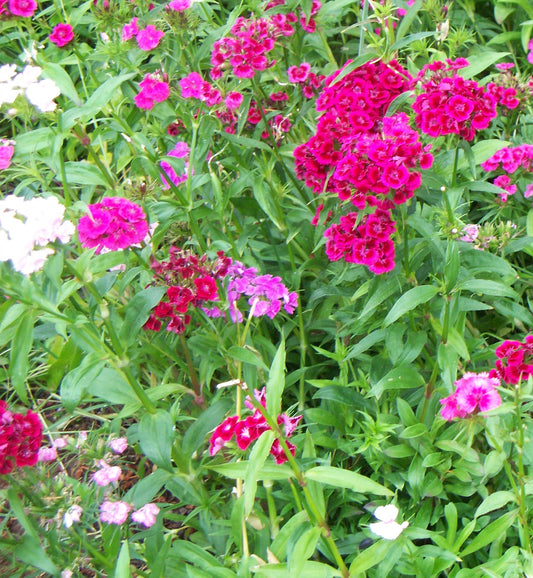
[475,392]
[307,23]
[193,86]
[147,38]
[249,429]
[113,224]
[515,360]
[6,153]
[117,513]
[450,104]
[303,77]
[20,439]
[180,151]
[62,34]
[514,162]
[245,51]
[153,89]
[25,8]
[190,281]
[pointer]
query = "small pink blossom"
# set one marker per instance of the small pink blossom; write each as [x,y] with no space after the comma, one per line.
[179,5]
[529,191]
[299,74]
[233,100]
[6,153]
[475,392]
[62,34]
[60,443]
[24,8]
[106,474]
[149,37]
[48,454]
[130,30]
[114,512]
[118,445]
[146,515]
[505,66]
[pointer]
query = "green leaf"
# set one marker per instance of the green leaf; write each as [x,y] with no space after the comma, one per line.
[488,287]
[83,173]
[197,556]
[146,489]
[406,40]
[122,569]
[303,550]
[245,142]
[156,436]
[268,471]
[276,381]
[414,431]
[494,501]
[110,386]
[76,382]
[246,355]
[258,456]
[18,357]
[370,557]
[137,312]
[341,478]
[310,569]
[279,544]
[209,419]
[30,551]
[402,377]
[409,301]
[366,343]
[479,62]
[355,63]
[492,532]
[56,73]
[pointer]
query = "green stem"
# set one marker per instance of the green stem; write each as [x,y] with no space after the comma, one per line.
[197,386]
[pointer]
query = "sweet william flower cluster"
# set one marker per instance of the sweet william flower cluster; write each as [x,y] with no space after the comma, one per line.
[27,227]
[114,223]
[474,392]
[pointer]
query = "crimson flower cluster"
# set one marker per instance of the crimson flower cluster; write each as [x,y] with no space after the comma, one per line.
[513,162]
[363,157]
[191,282]
[450,104]
[515,360]
[249,429]
[113,224]
[20,438]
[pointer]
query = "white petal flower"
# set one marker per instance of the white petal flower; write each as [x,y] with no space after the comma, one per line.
[42,93]
[387,527]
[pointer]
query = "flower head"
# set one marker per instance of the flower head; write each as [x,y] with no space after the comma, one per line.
[146,516]
[387,527]
[114,512]
[475,392]
[62,34]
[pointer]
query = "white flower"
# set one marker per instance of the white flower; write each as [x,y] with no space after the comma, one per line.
[27,77]
[7,72]
[72,515]
[387,527]
[42,93]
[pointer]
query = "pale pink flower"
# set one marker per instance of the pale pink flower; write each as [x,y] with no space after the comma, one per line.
[47,454]
[72,515]
[114,512]
[60,443]
[66,574]
[149,37]
[6,153]
[106,474]
[146,515]
[118,445]
[529,191]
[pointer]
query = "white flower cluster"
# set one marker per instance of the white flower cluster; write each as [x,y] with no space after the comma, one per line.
[387,527]
[28,225]
[40,93]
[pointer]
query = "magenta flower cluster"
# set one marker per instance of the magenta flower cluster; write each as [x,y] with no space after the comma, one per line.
[363,157]
[249,429]
[193,86]
[20,438]
[514,162]
[154,89]
[180,151]
[113,224]
[193,281]
[450,104]
[147,38]
[24,8]
[475,392]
